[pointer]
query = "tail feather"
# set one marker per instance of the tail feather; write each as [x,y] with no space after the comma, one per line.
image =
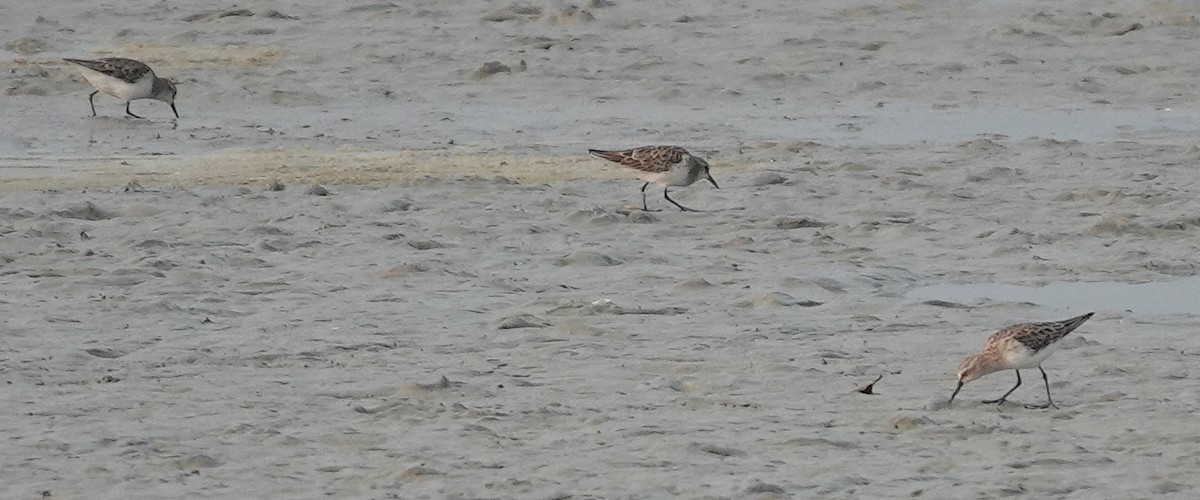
[1073,323]
[82,62]
[617,156]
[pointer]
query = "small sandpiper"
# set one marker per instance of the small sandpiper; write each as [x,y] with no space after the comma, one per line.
[1015,347]
[664,165]
[125,79]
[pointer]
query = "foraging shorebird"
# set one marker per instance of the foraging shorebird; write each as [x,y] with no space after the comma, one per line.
[1015,347]
[125,79]
[664,165]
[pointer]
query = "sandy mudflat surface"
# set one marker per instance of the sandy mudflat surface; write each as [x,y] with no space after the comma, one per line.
[472,310]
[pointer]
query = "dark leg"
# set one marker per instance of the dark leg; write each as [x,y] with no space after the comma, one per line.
[1010,391]
[93,103]
[644,207]
[681,207]
[1049,402]
[128,112]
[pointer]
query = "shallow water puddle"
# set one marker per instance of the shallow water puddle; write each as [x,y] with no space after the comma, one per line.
[1180,296]
[914,123]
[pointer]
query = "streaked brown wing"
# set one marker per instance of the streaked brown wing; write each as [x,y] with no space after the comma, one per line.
[1041,335]
[655,159]
[1037,336]
[127,70]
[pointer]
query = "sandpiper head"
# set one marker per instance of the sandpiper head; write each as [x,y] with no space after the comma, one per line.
[970,369]
[164,91]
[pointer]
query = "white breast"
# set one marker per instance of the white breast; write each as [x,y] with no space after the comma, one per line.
[677,176]
[119,88]
[1018,356]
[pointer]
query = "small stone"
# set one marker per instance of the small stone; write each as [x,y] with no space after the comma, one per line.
[761,487]
[641,217]
[796,223]
[521,321]
[768,178]
[909,423]
[490,68]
